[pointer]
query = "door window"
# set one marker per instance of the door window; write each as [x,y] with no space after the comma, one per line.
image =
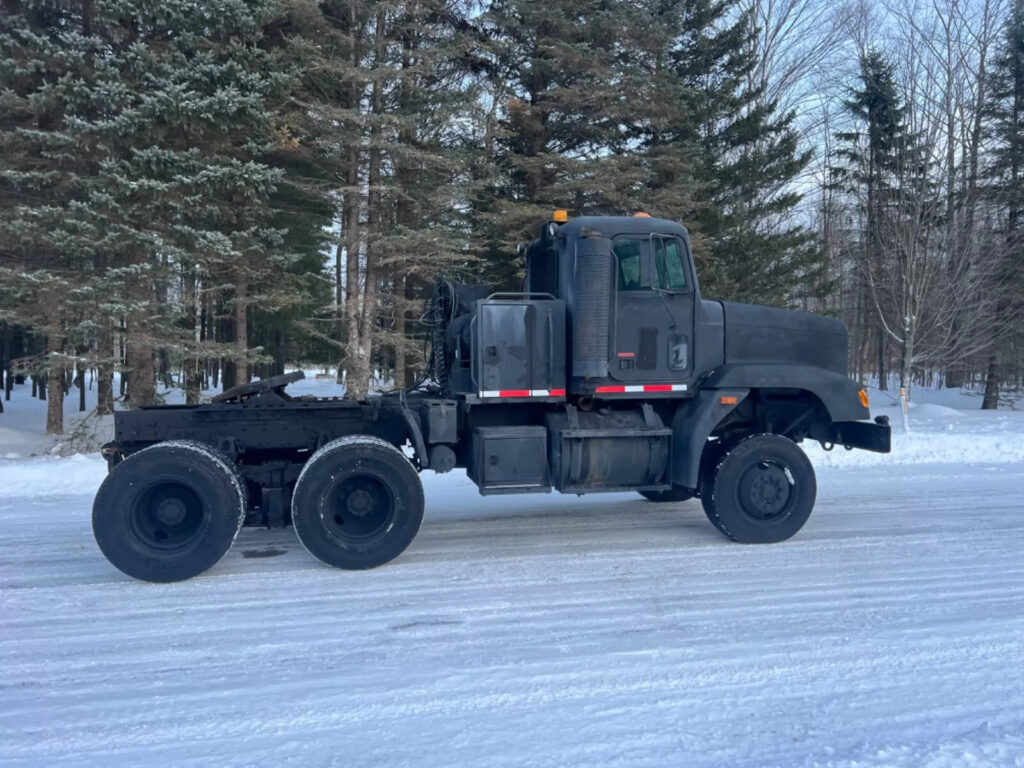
[669,264]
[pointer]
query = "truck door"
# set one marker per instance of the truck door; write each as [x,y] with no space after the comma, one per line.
[654,310]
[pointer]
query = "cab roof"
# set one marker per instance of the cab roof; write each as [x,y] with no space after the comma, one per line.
[610,226]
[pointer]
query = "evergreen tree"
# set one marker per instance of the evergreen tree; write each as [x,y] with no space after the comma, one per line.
[1007,192]
[564,84]
[49,248]
[152,164]
[621,107]
[901,259]
[380,108]
[869,163]
[722,160]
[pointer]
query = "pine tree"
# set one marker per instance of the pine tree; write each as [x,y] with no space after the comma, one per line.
[621,107]
[1007,191]
[563,80]
[722,160]
[149,173]
[902,264]
[48,245]
[380,109]
[869,163]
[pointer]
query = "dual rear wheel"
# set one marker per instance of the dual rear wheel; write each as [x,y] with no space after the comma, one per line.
[172,511]
[169,512]
[358,503]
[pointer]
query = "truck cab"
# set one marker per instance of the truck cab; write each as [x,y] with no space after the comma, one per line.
[633,296]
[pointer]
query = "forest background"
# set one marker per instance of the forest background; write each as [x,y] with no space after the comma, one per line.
[196,192]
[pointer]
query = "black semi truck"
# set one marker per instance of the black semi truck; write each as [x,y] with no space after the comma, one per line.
[608,372]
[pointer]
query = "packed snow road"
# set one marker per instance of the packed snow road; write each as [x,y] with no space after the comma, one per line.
[546,631]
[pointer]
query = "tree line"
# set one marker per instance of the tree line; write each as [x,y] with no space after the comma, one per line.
[196,193]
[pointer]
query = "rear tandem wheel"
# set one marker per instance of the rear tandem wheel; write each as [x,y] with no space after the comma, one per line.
[358,503]
[169,512]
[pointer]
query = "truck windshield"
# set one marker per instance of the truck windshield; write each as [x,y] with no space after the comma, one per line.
[627,254]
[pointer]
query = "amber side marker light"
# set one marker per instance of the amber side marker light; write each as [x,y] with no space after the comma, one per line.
[561,216]
[863,395]
[728,400]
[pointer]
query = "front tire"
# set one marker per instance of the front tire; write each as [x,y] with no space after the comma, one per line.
[169,512]
[358,503]
[761,490]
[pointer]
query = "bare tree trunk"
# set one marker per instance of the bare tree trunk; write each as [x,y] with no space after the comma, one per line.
[351,219]
[8,367]
[55,406]
[142,384]
[55,412]
[226,335]
[990,401]
[191,364]
[279,354]
[400,357]
[339,286]
[105,373]
[80,383]
[350,211]
[360,368]
[241,318]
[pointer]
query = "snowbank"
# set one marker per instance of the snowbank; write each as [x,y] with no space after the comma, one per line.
[46,477]
[938,434]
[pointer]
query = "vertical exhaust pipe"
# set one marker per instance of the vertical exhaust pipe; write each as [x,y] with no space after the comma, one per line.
[594,276]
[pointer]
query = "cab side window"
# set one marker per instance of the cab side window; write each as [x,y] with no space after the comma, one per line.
[628,253]
[669,264]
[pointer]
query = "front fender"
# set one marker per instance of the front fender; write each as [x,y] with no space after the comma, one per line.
[838,393]
[692,424]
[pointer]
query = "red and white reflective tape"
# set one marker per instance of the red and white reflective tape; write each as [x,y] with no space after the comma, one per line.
[612,389]
[522,393]
[615,389]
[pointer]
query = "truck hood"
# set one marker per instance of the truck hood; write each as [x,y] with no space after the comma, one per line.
[755,334]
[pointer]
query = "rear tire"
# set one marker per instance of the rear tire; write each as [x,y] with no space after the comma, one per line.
[358,503]
[169,512]
[675,494]
[760,490]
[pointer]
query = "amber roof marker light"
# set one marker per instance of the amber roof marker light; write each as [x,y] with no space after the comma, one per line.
[561,216]
[641,215]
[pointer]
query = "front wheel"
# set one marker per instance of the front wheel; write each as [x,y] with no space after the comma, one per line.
[760,490]
[358,503]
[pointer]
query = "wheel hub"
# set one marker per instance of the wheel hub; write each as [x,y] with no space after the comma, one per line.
[767,491]
[359,507]
[171,511]
[167,516]
[360,502]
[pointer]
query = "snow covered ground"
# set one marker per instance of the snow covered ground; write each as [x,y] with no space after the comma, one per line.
[544,630]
